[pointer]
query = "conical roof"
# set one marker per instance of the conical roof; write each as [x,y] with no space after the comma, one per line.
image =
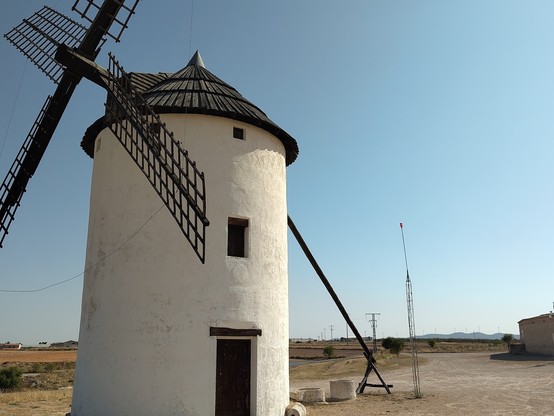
[195,90]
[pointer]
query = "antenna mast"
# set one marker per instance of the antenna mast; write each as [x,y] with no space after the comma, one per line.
[411,321]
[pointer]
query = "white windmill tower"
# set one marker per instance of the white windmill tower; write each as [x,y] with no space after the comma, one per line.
[161,331]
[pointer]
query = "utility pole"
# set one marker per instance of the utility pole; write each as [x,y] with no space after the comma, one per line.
[324,333]
[373,321]
[331,327]
[347,333]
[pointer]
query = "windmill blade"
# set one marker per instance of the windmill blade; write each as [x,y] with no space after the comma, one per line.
[166,165]
[32,151]
[39,37]
[13,187]
[88,9]
[27,39]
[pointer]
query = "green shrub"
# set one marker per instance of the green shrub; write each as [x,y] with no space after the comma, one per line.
[329,351]
[431,343]
[387,342]
[10,378]
[395,345]
[37,368]
[507,339]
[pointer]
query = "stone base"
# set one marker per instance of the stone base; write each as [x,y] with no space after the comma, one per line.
[311,395]
[343,389]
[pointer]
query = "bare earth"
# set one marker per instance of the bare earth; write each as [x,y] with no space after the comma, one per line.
[467,384]
[455,384]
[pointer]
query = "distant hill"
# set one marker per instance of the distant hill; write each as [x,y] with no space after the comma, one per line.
[466,335]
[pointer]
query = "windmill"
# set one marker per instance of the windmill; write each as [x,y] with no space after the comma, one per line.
[154,315]
[186,313]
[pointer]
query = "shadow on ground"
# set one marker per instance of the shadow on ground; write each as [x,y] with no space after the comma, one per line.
[506,356]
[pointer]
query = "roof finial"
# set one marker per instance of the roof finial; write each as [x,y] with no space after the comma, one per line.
[196,60]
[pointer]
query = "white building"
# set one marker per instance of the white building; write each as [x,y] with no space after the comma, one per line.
[161,333]
[10,346]
[537,334]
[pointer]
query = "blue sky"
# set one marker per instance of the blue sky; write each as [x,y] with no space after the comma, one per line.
[431,113]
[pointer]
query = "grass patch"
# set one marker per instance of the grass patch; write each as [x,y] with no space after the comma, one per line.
[347,367]
[19,397]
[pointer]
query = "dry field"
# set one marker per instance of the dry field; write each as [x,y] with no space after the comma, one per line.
[475,383]
[51,391]
[38,356]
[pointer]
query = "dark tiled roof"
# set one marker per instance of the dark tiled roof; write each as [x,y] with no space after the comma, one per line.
[195,90]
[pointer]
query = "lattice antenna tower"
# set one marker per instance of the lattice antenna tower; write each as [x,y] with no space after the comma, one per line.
[411,321]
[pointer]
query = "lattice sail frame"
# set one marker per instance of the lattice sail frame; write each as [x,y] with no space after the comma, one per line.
[9,203]
[39,36]
[166,165]
[88,9]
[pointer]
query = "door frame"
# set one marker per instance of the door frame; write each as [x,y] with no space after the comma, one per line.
[240,334]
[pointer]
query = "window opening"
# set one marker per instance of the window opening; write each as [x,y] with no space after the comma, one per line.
[236,237]
[238,133]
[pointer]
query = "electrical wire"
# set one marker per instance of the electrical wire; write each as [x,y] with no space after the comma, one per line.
[189,55]
[190,28]
[13,108]
[89,268]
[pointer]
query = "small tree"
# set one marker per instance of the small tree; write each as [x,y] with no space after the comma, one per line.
[329,351]
[395,345]
[507,339]
[431,343]
[387,342]
[10,378]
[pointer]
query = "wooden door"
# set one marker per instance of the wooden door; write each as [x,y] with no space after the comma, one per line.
[232,397]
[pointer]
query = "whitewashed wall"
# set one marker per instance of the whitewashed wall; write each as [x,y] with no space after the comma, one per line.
[144,344]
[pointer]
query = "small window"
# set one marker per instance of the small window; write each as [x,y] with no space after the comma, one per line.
[238,133]
[236,237]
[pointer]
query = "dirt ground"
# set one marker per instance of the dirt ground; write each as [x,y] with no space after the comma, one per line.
[454,384]
[465,384]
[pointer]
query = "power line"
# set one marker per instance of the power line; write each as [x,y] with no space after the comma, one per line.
[190,28]
[89,268]
[13,109]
